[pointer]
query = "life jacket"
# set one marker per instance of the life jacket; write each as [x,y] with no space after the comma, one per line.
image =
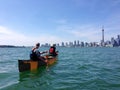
[33,55]
[51,50]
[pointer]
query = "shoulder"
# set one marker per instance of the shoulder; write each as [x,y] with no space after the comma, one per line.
[33,48]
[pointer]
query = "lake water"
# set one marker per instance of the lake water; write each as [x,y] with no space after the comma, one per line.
[75,69]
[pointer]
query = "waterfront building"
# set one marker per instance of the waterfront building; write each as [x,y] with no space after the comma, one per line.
[78,43]
[57,45]
[108,42]
[66,44]
[82,44]
[113,42]
[95,44]
[118,40]
[62,44]
[86,44]
[70,44]
[118,36]
[75,43]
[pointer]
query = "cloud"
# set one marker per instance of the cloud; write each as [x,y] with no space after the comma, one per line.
[90,32]
[11,37]
[6,33]
[46,38]
[82,32]
[61,21]
[8,36]
[4,30]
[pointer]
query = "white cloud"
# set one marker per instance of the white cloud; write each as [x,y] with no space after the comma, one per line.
[84,32]
[10,37]
[4,30]
[61,21]
[47,38]
[90,33]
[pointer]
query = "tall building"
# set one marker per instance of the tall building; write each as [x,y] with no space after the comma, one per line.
[62,44]
[114,42]
[103,35]
[118,40]
[66,44]
[70,44]
[82,44]
[86,44]
[75,43]
[118,37]
[102,41]
[78,43]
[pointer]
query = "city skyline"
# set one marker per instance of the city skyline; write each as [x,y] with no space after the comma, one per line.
[113,42]
[26,22]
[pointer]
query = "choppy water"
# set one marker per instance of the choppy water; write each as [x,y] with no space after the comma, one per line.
[76,69]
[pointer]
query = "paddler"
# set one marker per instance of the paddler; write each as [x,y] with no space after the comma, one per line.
[52,50]
[35,54]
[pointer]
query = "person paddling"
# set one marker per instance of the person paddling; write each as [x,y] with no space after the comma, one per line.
[52,50]
[35,54]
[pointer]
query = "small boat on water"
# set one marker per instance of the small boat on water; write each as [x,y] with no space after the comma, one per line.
[26,65]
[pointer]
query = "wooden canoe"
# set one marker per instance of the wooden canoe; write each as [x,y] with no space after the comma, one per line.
[26,65]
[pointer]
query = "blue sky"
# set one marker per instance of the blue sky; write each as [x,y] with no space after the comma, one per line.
[25,22]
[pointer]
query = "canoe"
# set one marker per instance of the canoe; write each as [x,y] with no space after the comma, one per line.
[30,65]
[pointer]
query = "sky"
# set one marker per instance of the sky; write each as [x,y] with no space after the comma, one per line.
[26,22]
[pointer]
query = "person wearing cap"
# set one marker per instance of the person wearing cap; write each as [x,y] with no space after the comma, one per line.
[35,54]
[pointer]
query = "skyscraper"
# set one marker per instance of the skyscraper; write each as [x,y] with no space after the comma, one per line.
[118,40]
[118,37]
[75,43]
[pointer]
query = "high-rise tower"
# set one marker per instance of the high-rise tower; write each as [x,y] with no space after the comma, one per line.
[102,41]
[103,34]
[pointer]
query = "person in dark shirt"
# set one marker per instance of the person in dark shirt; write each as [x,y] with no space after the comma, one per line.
[35,54]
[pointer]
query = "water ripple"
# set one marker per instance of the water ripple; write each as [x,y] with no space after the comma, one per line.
[76,69]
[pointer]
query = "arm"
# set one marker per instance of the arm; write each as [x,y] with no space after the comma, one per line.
[43,52]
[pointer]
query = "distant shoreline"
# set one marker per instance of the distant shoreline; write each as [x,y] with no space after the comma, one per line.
[11,46]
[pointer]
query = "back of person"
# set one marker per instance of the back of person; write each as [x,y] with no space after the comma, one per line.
[34,54]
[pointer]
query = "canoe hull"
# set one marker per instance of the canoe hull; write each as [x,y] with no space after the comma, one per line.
[26,65]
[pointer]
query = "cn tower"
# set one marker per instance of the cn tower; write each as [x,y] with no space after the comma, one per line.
[103,35]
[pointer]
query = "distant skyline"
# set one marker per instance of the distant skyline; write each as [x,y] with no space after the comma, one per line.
[26,22]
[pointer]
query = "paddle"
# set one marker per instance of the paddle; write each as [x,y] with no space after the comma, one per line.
[47,62]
